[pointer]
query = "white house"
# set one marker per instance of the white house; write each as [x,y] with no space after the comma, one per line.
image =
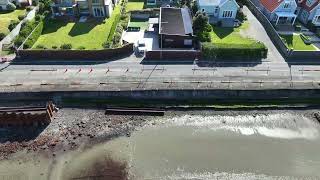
[224,11]
[280,11]
[309,10]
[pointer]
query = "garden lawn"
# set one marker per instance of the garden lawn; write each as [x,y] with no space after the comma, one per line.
[6,17]
[295,42]
[90,34]
[223,35]
[143,24]
[135,5]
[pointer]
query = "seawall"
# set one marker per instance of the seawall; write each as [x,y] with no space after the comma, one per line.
[166,95]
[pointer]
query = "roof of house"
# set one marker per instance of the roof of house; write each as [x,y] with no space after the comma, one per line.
[271,5]
[304,5]
[175,21]
[211,2]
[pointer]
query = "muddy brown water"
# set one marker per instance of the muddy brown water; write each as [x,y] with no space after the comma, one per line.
[274,146]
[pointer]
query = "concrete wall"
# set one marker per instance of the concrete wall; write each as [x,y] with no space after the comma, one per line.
[76,54]
[172,54]
[227,95]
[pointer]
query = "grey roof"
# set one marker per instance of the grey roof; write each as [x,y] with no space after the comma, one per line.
[175,21]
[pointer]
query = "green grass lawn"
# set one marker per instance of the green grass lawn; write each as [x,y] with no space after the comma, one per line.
[135,5]
[6,17]
[90,34]
[295,42]
[225,35]
[138,23]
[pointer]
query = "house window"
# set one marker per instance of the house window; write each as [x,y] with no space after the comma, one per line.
[286,5]
[96,1]
[227,14]
[98,11]
[216,10]
[310,2]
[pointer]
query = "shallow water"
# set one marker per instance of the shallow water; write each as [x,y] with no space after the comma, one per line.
[275,146]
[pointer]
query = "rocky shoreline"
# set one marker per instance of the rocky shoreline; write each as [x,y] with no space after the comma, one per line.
[74,128]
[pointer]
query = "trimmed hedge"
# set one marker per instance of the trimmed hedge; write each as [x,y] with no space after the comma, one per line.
[114,26]
[34,36]
[234,51]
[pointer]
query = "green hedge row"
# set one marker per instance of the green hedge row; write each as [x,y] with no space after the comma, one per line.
[34,36]
[113,28]
[234,51]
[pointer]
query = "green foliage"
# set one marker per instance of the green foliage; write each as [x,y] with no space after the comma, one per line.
[114,26]
[29,8]
[13,24]
[54,47]
[204,36]
[21,17]
[34,36]
[116,38]
[107,44]
[234,51]
[11,7]
[200,22]
[35,2]
[66,46]
[194,7]
[81,48]
[241,16]
[40,46]
[2,36]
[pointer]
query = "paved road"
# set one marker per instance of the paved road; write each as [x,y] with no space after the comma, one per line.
[130,73]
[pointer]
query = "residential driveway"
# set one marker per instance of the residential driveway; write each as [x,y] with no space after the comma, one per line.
[150,39]
[257,31]
[132,36]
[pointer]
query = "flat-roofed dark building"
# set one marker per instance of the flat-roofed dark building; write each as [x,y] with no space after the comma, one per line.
[175,28]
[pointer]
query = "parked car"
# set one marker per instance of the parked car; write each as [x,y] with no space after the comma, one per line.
[141,46]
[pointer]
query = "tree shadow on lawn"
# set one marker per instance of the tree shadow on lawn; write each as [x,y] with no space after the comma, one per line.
[288,39]
[222,32]
[80,28]
[53,25]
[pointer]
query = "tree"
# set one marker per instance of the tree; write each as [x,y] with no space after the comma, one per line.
[185,3]
[200,22]
[194,7]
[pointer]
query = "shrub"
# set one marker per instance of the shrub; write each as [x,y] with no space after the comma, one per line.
[2,36]
[113,27]
[41,8]
[40,46]
[13,24]
[21,17]
[107,44]
[234,51]
[29,8]
[54,47]
[116,38]
[38,17]
[35,35]
[241,16]
[26,29]
[81,47]
[66,46]
[204,36]
[11,7]
[35,2]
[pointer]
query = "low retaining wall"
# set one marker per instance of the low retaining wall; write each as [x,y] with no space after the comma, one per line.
[75,54]
[172,54]
[301,55]
[224,95]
